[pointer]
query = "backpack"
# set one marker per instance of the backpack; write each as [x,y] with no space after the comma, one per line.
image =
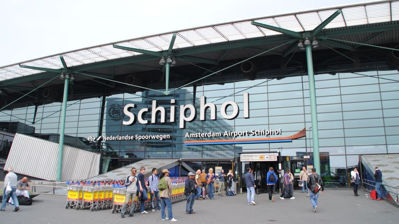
[162,184]
[272,178]
[317,186]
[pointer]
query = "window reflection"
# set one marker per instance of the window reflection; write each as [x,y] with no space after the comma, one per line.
[356,115]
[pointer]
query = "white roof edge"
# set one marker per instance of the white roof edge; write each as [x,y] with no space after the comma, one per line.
[9,70]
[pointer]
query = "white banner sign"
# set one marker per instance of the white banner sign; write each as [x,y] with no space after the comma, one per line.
[258,157]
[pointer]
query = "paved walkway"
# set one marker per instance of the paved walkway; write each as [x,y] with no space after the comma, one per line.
[336,206]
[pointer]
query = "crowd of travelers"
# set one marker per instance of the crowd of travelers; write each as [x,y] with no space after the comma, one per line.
[311,183]
[205,184]
[199,186]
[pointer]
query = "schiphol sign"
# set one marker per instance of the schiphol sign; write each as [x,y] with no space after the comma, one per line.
[187,112]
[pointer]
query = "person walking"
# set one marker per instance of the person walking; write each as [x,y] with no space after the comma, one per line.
[131,191]
[250,182]
[142,187]
[378,183]
[165,195]
[198,183]
[190,190]
[315,184]
[271,180]
[210,180]
[154,192]
[10,188]
[288,180]
[303,178]
[230,184]
[355,180]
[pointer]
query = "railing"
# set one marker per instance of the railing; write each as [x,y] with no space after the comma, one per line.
[45,187]
[48,187]
[391,193]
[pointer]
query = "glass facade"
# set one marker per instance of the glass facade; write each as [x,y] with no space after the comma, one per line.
[358,113]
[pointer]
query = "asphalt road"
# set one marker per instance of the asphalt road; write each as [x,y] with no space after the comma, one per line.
[335,206]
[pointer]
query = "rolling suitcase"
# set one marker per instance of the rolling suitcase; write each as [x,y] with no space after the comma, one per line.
[373,194]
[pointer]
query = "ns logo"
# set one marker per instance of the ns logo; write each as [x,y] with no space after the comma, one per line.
[115,112]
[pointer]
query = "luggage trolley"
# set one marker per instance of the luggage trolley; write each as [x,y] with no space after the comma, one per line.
[88,198]
[96,204]
[108,196]
[74,196]
[119,198]
[180,191]
[101,196]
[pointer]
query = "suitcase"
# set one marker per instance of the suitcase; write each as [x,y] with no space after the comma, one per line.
[373,194]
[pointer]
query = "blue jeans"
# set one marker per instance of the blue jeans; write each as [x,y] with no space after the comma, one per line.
[287,191]
[304,186]
[314,197]
[198,192]
[190,203]
[166,202]
[210,190]
[155,196]
[13,196]
[250,194]
[143,198]
[378,189]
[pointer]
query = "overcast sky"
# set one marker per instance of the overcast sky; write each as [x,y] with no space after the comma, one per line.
[37,28]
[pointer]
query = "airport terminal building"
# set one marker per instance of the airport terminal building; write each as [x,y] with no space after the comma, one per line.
[211,94]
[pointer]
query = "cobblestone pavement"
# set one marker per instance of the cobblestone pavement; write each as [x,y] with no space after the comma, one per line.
[335,206]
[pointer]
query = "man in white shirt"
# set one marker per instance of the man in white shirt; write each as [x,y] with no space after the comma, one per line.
[131,191]
[23,187]
[10,187]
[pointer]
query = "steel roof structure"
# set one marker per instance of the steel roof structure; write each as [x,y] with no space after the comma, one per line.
[362,37]
[345,44]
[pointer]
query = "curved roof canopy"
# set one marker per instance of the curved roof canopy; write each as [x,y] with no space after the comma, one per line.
[200,51]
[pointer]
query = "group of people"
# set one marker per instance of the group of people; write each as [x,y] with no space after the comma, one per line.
[160,188]
[199,185]
[314,184]
[205,183]
[355,182]
[14,188]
